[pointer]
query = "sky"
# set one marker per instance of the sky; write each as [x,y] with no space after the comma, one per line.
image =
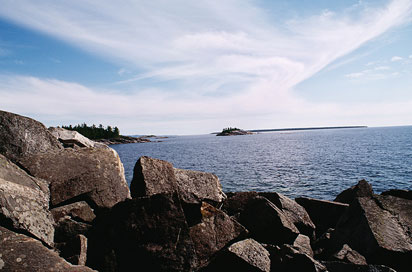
[181,67]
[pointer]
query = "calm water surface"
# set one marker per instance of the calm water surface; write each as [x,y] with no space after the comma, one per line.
[317,163]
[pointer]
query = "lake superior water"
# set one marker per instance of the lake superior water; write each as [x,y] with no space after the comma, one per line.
[315,163]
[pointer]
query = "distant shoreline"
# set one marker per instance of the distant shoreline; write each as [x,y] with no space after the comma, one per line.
[298,129]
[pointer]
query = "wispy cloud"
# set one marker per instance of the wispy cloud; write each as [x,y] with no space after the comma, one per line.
[396,58]
[230,49]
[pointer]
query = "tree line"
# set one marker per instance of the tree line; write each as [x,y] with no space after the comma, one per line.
[95,132]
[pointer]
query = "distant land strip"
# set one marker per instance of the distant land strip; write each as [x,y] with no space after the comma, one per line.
[298,129]
[309,128]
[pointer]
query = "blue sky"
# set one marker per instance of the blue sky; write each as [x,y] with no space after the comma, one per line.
[193,67]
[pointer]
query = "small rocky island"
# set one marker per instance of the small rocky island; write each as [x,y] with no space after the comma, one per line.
[69,208]
[233,132]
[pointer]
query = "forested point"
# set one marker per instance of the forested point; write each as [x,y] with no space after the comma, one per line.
[95,132]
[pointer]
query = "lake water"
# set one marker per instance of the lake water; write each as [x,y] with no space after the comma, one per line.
[316,163]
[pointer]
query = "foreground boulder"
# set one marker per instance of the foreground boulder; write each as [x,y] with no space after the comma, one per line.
[379,228]
[215,231]
[246,255]
[349,267]
[148,232]
[324,214]
[267,223]
[22,253]
[24,202]
[152,176]
[236,202]
[94,175]
[348,255]
[195,186]
[399,193]
[21,136]
[362,189]
[294,212]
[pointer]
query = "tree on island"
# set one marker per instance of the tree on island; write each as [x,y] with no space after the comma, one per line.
[95,132]
[230,129]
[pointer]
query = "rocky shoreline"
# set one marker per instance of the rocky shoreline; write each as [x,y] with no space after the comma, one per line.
[65,206]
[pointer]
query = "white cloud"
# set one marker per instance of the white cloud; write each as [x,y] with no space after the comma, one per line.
[225,57]
[396,58]
[410,56]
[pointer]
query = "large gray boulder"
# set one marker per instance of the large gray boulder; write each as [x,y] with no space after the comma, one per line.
[21,136]
[379,228]
[267,223]
[362,189]
[22,253]
[324,214]
[94,175]
[195,186]
[152,176]
[214,232]
[24,202]
[246,255]
[295,212]
[72,138]
[149,232]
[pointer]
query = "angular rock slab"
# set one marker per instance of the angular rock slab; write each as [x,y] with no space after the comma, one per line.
[195,186]
[152,176]
[24,202]
[302,244]
[267,223]
[295,212]
[293,260]
[362,189]
[71,137]
[236,202]
[80,211]
[96,175]
[21,136]
[214,232]
[245,255]
[399,193]
[324,214]
[147,232]
[348,255]
[22,253]
[379,228]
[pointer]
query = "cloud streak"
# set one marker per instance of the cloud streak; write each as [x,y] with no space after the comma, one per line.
[228,58]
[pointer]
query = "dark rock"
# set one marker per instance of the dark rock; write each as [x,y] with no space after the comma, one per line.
[94,175]
[294,212]
[79,211]
[24,202]
[71,137]
[399,193]
[302,244]
[21,136]
[214,232]
[67,229]
[379,228]
[324,214]
[348,267]
[237,202]
[246,255]
[292,260]
[195,186]
[74,250]
[362,189]
[21,253]
[325,245]
[124,140]
[348,255]
[149,232]
[152,176]
[267,223]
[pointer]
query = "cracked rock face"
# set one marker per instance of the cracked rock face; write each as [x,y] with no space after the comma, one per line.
[93,173]
[24,202]
[379,228]
[22,253]
[21,136]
